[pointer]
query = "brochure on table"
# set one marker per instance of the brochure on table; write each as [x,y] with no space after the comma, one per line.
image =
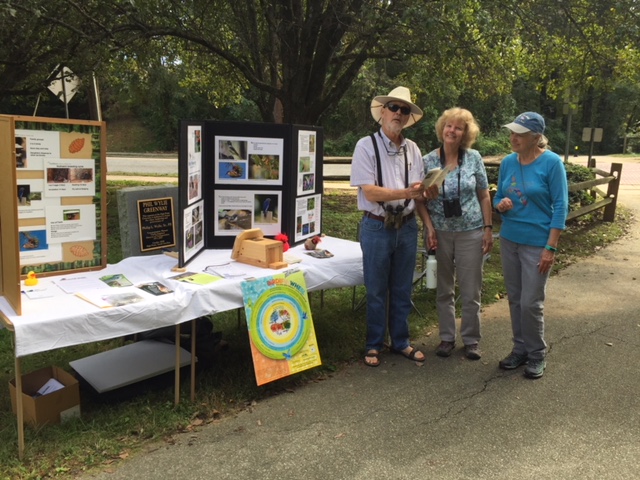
[240,176]
[52,198]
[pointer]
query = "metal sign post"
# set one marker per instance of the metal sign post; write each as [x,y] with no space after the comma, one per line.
[591,135]
[64,85]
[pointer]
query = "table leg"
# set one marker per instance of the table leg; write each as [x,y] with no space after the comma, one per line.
[177,367]
[193,360]
[19,408]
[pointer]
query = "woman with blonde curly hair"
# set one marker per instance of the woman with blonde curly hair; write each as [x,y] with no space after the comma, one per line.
[459,229]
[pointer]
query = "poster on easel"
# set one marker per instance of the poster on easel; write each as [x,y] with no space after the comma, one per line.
[281,333]
[59,168]
[52,198]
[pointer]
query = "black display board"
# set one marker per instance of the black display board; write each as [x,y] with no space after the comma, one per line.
[235,176]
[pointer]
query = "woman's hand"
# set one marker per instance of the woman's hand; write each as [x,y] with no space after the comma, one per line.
[504,205]
[547,258]
[487,241]
[432,239]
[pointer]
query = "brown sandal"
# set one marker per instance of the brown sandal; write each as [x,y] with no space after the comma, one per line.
[411,354]
[374,355]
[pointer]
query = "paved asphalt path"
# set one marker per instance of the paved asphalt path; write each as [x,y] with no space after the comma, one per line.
[452,418]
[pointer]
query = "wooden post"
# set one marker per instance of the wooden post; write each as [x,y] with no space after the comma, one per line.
[609,214]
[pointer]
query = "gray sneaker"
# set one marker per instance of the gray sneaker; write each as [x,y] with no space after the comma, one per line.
[535,368]
[472,352]
[513,360]
[445,348]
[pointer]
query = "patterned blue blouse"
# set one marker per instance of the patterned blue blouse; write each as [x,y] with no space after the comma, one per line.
[473,177]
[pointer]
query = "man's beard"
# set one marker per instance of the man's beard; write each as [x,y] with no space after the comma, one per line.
[394,127]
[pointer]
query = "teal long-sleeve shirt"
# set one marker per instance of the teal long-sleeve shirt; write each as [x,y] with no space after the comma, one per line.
[539,193]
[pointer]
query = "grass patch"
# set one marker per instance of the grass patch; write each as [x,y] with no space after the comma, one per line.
[108,432]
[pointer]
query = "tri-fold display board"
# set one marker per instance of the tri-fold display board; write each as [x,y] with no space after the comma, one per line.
[52,199]
[240,176]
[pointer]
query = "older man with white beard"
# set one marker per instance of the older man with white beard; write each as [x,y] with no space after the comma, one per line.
[388,171]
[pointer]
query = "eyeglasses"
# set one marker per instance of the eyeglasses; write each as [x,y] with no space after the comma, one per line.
[395,153]
[394,107]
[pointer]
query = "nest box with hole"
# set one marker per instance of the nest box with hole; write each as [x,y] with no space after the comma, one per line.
[252,248]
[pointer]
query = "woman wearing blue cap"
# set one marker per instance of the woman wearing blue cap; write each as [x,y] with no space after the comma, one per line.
[532,199]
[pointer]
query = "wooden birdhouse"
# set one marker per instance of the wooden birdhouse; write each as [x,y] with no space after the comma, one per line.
[252,248]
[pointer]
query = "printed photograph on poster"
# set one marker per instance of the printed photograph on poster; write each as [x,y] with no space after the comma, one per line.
[193,233]
[308,217]
[232,149]
[306,181]
[304,164]
[34,248]
[241,210]
[249,160]
[235,170]
[235,219]
[195,187]
[194,163]
[35,146]
[21,152]
[264,167]
[70,223]
[69,178]
[31,202]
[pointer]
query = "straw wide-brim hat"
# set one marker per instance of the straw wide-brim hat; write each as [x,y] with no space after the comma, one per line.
[402,94]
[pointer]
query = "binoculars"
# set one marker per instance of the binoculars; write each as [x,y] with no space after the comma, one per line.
[393,216]
[451,207]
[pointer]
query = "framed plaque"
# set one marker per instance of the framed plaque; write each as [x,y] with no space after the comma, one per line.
[156,224]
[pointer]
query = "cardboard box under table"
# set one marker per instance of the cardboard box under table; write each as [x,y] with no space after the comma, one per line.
[53,407]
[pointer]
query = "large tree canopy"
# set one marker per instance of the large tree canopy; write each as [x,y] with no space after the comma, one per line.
[296,59]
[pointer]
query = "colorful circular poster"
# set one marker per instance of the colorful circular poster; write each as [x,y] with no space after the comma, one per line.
[279,326]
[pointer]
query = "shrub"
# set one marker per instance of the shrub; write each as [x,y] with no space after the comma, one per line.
[490,146]
[342,146]
[577,174]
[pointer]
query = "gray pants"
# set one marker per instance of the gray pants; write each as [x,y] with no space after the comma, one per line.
[526,288]
[459,255]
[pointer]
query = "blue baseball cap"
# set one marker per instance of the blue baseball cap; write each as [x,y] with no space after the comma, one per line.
[527,122]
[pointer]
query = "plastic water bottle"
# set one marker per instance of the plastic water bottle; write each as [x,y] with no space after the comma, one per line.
[432,270]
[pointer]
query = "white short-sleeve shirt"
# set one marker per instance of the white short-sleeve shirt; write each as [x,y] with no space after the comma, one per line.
[364,170]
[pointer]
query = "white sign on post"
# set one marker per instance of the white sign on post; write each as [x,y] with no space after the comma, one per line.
[597,134]
[65,84]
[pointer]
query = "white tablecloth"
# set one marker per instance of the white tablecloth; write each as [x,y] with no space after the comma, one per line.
[65,319]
